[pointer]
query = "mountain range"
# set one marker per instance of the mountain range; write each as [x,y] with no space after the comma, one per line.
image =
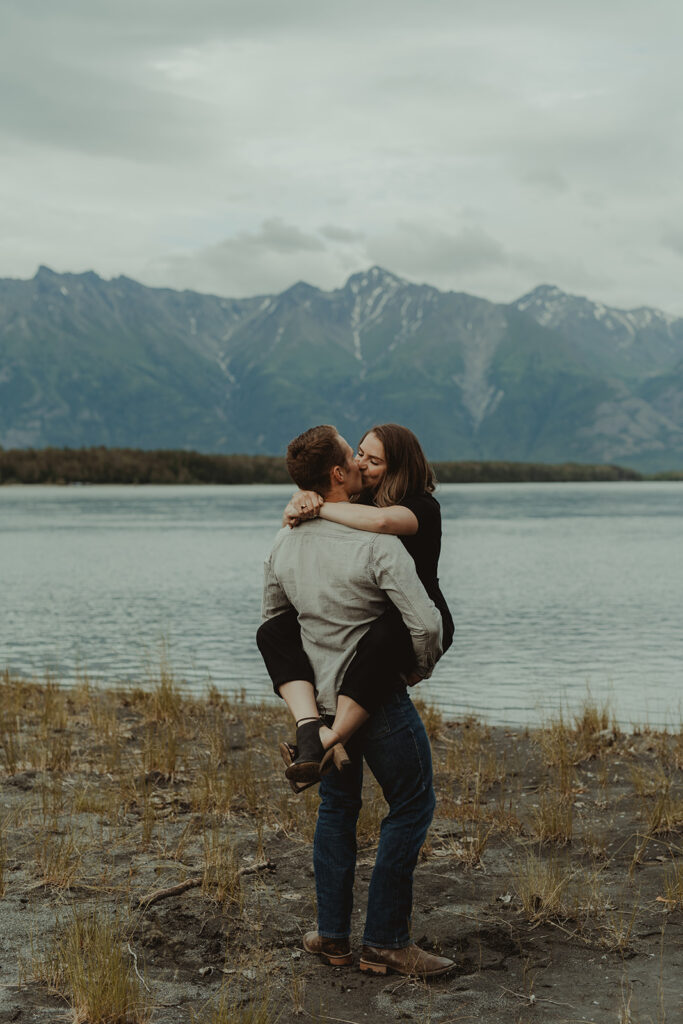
[551,377]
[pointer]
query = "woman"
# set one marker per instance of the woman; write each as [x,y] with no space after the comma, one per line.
[397,499]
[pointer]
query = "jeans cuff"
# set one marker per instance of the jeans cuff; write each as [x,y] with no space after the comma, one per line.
[333,935]
[376,944]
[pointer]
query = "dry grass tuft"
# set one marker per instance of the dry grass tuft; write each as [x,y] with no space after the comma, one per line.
[220,873]
[232,1007]
[468,848]
[666,816]
[165,701]
[541,886]
[592,723]
[58,860]
[616,931]
[93,966]
[587,900]
[470,757]
[567,746]
[553,819]
[13,695]
[673,887]
[160,749]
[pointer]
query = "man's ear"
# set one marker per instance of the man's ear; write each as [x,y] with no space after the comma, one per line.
[338,474]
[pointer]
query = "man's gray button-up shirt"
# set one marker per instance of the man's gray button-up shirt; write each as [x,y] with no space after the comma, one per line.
[339,579]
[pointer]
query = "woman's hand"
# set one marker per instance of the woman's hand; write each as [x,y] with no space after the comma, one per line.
[302,505]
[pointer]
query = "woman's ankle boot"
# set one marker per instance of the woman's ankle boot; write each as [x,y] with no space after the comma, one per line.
[310,751]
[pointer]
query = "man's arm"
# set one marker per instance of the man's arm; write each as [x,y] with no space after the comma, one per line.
[275,601]
[395,574]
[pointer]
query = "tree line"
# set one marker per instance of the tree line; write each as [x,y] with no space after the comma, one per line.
[528,472]
[137,466]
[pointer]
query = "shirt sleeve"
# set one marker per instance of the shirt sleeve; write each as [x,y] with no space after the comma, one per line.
[395,574]
[275,601]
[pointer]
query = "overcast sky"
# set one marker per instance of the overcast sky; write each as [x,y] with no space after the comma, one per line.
[236,148]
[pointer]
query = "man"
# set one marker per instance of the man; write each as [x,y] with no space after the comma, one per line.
[339,580]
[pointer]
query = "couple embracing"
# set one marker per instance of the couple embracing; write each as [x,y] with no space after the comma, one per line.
[353,614]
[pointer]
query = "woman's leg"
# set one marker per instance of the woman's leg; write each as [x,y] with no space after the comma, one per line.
[299,696]
[383,656]
[279,641]
[383,653]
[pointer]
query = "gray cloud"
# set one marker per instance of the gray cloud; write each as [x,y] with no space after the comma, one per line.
[168,18]
[412,248]
[279,237]
[70,89]
[545,178]
[673,239]
[205,144]
[337,234]
[239,265]
[249,263]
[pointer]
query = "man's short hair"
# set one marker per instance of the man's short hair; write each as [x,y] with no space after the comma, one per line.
[312,455]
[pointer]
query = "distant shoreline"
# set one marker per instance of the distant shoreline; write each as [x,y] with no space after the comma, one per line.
[99,465]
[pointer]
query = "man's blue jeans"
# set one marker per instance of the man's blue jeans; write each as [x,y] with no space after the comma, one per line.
[395,745]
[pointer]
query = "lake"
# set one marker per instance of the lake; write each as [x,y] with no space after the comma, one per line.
[556,590]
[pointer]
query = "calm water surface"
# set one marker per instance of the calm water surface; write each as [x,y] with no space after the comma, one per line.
[554,588]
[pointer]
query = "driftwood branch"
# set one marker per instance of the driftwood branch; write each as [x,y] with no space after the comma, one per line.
[252,869]
[193,883]
[173,890]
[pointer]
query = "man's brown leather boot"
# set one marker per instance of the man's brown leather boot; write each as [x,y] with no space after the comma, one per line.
[337,952]
[409,960]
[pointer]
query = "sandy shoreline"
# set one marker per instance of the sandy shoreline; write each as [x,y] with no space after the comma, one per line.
[553,872]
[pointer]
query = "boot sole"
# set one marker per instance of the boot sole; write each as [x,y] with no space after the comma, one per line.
[287,755]
[375,968]
[365,965]
[304,771]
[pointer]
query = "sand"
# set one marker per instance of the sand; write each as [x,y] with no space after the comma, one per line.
[552,875]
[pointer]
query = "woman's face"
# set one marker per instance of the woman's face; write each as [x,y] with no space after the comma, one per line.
[371,462]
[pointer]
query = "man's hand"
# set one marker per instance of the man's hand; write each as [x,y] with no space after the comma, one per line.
[302,505]
[414,678]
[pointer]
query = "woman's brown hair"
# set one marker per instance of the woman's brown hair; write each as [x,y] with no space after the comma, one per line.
[408,472]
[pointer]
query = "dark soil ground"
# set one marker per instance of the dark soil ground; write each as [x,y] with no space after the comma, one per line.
[552,875]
